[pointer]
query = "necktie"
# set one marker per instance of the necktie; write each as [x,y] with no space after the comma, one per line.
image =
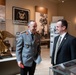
[56,50]
[32,35]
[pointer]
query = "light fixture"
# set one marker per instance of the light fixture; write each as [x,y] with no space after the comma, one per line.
[62,1]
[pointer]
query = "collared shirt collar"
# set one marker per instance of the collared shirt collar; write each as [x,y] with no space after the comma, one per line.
[29,31]
[62,36]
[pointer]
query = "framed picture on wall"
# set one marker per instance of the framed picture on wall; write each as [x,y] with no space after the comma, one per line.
[41,17]
[20,16]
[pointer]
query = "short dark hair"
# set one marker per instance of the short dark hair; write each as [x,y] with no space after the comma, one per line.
[64,23]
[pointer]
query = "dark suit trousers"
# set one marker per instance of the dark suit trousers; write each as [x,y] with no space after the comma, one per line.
[29,70]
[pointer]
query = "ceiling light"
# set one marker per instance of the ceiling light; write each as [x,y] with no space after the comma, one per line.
[62,1]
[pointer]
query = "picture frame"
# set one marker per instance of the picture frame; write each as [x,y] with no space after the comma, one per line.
[20,16]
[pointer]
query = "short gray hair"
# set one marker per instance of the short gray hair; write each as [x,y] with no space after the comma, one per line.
[29,23]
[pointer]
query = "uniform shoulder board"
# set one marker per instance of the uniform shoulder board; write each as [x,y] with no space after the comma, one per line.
[23,32]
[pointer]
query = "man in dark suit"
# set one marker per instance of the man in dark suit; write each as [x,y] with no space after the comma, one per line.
[66,50]
[28,49]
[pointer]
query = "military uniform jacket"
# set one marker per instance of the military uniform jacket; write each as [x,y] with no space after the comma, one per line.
[27,49]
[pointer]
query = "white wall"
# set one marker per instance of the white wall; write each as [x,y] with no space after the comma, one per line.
[68,10]
[27,4]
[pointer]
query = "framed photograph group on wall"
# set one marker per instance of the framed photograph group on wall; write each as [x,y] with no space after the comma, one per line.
[20,16]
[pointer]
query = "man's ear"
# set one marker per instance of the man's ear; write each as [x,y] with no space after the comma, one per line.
[64,27]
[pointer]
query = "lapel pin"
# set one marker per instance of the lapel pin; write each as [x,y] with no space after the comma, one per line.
[65,38]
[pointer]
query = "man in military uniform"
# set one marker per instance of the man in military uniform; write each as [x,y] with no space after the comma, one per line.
[27,49]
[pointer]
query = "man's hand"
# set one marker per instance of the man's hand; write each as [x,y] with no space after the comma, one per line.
[20,65]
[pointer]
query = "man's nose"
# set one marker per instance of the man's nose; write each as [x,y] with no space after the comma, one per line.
[35,28]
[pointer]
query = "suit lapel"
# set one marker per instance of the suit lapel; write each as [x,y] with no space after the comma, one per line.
[63,41]
[55,42]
